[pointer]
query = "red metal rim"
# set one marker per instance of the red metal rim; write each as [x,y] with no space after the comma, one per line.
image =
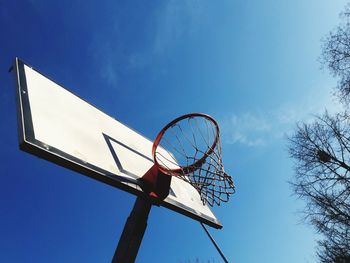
[198,163]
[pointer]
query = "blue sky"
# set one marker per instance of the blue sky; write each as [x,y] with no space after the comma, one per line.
[253,65]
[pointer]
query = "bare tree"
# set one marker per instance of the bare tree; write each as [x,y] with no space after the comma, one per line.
[336,54]
[322,154]
[333,251]
[321,151]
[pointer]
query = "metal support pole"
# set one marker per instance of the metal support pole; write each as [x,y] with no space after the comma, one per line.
[133,232]
[214,243]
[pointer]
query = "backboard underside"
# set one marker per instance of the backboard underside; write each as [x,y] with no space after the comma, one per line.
[58,126]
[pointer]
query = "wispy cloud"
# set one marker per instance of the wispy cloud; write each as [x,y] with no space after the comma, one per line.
[109,72]
[247,128]
[106,54]
[259,128]
[175,20]
[171,23]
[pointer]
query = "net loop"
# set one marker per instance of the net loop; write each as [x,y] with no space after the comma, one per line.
[189,148]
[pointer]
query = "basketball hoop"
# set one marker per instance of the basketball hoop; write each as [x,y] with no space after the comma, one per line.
[189,148]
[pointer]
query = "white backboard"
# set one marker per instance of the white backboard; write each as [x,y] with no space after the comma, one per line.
[58,126]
